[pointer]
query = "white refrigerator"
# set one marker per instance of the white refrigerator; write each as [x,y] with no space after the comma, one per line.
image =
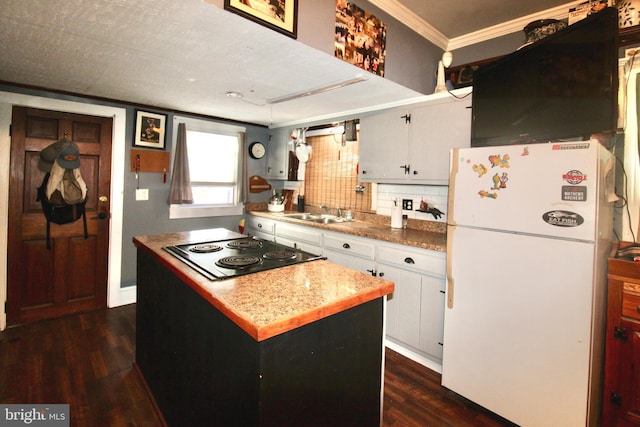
[529,232]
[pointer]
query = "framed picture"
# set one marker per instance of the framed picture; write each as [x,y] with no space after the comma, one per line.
[281,15]
[360,38]
[150,130]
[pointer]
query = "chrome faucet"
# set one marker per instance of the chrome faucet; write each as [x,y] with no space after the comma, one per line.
[339,212]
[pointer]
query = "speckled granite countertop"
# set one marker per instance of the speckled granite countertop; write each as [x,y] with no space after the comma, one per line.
[433,240]
[272,302]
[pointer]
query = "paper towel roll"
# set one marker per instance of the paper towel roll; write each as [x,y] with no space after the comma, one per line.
[396,217]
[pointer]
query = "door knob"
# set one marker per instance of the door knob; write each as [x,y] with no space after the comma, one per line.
[103,199]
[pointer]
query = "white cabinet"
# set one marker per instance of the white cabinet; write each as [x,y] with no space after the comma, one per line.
[262,228]
[415,310]
[300,237]
[411,144]
[354,252]
[435,129]
[384,138]
[278,153]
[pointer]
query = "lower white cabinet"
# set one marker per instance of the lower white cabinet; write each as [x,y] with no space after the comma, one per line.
[403,305]
[415,310]
[354,252]
[300,237]
[262,228]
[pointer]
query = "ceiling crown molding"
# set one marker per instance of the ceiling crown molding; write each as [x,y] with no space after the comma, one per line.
[420,26]
[510,27]
[413,21]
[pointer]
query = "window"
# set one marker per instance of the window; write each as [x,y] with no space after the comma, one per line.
[215,167]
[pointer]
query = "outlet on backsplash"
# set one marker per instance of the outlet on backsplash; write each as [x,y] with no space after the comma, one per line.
[407,204]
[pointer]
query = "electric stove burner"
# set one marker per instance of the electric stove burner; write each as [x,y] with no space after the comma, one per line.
[244,244]
[223,259]
[281,255]
[205,248]
[237,261]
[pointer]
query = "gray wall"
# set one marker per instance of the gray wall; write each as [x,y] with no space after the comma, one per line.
[411,60]
[152,216]
[488,49]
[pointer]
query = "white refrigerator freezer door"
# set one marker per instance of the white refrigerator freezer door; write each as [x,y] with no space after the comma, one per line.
[546,189]
[517,338]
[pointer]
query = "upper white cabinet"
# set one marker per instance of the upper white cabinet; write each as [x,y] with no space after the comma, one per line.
[411,144]
[384,137]
[278,153]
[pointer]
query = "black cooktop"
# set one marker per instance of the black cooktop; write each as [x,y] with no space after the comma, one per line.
[222,259]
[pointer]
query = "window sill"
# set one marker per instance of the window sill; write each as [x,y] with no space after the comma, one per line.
[191,211]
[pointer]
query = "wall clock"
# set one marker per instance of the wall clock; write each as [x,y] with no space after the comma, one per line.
[257,150]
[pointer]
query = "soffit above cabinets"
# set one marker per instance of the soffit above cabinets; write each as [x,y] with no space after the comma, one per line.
[186,55]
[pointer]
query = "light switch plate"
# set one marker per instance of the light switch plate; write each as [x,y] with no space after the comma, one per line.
[142,194]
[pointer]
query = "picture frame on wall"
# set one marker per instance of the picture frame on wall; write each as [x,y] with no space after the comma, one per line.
[281,16]
[150,130]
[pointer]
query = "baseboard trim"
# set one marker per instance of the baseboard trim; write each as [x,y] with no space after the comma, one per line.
[416,357]
[123,296]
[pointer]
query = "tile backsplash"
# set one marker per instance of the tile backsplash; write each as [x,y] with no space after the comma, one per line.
[434,196]
[331,177]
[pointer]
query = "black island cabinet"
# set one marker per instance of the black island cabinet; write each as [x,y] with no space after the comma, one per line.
[202,369]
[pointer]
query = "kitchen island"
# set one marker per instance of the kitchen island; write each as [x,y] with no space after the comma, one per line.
[297,345]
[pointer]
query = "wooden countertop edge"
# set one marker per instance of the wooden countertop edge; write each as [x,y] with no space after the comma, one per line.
[311,316]
[276,328]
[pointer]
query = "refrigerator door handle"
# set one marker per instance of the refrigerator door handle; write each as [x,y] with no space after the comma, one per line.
[450,281]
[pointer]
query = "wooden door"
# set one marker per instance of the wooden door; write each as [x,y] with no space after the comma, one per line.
[71,276]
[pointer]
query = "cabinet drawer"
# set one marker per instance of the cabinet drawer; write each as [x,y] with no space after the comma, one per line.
[350,245]
[631,305]
[261,224]
[430,262]
[303,246]
[299,233]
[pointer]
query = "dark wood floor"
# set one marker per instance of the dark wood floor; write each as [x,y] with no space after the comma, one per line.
[85,360]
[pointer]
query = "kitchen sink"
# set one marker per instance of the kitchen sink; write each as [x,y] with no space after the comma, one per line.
[304,216]
[320,219]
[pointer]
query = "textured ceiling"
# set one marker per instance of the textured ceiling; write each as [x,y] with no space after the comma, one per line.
[186,55]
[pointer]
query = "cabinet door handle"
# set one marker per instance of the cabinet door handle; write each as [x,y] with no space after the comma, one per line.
[373,272]
[409,260]
[346,246]
[259,225]
[407,169]
[381,274]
